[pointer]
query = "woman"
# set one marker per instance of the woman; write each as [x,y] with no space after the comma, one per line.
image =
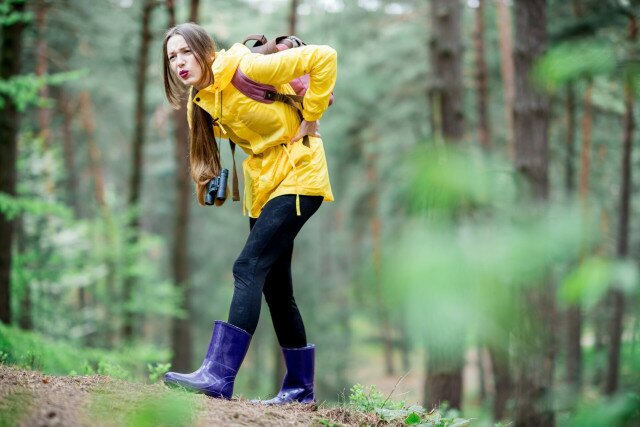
[285,183]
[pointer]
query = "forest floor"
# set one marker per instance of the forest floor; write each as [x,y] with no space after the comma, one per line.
[30,398]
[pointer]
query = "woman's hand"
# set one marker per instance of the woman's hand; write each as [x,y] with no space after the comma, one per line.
[306,128]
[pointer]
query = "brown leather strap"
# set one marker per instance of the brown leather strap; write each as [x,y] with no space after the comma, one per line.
[235,190]
[259,39]
[293,100]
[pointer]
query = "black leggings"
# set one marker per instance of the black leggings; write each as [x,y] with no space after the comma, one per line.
[264,265]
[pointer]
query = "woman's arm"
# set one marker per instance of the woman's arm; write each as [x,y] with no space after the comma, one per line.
[320,62]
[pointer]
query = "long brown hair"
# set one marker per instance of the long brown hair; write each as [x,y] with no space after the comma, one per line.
[204,153]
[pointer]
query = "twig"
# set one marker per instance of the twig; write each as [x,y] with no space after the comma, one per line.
[394,389]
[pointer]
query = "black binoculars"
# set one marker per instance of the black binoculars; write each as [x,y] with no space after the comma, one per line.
[217,188]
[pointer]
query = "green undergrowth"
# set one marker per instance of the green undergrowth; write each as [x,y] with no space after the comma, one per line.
[15,405]
[368,399]
[146,406]
[33,351]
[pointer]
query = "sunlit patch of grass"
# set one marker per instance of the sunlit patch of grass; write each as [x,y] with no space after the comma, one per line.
[121,406]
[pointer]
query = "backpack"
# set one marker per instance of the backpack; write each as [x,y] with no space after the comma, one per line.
[268,94]
[265,93]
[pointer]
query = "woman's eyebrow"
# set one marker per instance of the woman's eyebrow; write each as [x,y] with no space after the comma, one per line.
[180,48]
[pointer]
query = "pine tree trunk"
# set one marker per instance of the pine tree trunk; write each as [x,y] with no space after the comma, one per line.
[445,360]
[376,249]
[573,314]
[293,17]
[44,114]
[181,330]
[71,174]
[502,380]
[446,59]
[507,71]
[135,183]
[585,151]
[194,11]
[570,174]
[95,166]
[10,63]
[535,351]
[482,78]
[69,155]
[622,248]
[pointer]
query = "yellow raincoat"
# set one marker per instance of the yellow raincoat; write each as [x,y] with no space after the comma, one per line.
[263,131]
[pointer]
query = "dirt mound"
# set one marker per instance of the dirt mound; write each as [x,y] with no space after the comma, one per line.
[29,398]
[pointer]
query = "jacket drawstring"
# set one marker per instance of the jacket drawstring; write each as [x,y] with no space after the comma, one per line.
[295,177]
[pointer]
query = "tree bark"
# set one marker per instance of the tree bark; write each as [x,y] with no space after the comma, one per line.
[71,179]
[181,331]
[446,59]
[622,247]
[573,314]
[44,113]
[535,351]
[293,17]
[506,67]
[445,360]
[195,9]
[502,380]
[570,174]
[482,78]
[376,249]
[10,63]
[585,152]
[135,183]
[109,334]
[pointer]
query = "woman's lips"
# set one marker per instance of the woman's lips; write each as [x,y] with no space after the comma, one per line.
[184,74]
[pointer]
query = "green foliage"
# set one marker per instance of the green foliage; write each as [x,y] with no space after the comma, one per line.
[571,61]
[33,351]
[13,206]
[621,410]
[8,16]
[157,371]
[23,89]
[448,180]
[143,407]
[369,399]
[593,277]
[471,244]
[167,410]
[14,405]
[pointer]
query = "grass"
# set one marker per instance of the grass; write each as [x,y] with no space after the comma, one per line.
[14,406]
[33,351]
[144,407]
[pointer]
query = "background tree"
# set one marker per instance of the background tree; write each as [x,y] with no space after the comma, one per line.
[13,24]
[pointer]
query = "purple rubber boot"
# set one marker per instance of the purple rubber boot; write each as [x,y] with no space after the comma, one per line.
[216,375]
[297,385]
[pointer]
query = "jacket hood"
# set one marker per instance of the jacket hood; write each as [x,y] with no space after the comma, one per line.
[225,65]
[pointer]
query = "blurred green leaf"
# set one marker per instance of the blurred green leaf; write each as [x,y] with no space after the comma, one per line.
[588,283]
[571,61]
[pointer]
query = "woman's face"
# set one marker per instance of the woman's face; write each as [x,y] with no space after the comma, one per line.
[183,62]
